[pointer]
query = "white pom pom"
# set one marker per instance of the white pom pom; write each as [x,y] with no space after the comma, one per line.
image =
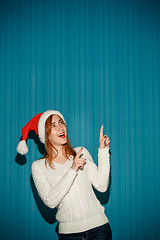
[22,147]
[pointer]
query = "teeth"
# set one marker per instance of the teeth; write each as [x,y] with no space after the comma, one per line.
[61,135]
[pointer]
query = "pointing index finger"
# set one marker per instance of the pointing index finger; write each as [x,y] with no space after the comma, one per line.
[101,133]
[79,152]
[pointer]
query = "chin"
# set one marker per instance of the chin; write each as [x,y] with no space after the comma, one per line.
[64,141]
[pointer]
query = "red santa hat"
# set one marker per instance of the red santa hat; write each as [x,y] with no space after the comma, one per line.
[37,124]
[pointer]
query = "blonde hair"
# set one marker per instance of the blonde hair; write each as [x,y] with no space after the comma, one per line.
[48,146]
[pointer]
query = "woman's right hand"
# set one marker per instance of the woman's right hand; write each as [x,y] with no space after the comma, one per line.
[78,163]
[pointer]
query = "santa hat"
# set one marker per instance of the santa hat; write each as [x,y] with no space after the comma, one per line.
[37,124]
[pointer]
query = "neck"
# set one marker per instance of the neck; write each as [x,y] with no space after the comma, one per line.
[60,150]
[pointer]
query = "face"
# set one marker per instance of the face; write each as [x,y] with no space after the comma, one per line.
[58,135]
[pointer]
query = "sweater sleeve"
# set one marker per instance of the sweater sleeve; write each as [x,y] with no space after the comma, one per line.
[99,176]
[52,196]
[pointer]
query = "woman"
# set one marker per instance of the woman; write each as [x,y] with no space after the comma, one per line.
[64,179]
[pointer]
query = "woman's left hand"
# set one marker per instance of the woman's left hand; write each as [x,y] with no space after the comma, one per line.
[103,140]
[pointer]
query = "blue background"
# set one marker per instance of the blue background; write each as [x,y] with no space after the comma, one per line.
[97,62]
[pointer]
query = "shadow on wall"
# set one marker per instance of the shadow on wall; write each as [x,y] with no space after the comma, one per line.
[47,213]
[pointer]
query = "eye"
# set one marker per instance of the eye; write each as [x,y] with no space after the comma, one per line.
[53,125]
[61,122]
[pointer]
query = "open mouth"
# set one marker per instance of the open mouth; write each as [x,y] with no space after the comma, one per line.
[62,135]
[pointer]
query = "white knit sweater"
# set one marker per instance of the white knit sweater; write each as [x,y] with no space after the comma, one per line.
[72,193]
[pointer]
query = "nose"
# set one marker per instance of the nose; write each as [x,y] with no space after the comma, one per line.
[60,127]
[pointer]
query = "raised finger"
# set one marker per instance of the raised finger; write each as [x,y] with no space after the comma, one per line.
[79,152]
[101,133]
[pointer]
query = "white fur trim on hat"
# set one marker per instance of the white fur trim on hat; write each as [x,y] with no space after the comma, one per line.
[22,147]
[41,123]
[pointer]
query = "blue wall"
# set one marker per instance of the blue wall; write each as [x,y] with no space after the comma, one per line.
[97,62]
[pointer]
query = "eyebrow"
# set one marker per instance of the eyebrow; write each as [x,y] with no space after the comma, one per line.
[58,121]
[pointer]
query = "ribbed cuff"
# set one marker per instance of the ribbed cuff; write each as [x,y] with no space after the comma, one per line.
[103,150]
